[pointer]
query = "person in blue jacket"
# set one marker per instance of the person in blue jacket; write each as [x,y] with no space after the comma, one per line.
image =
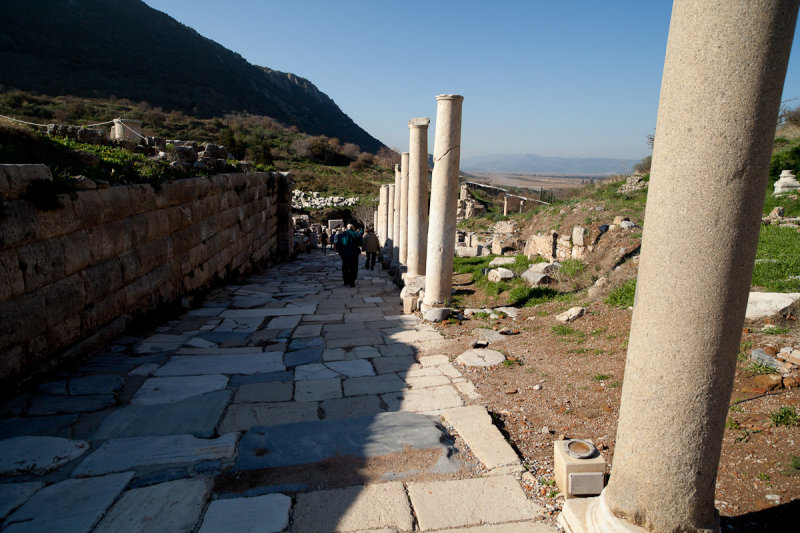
[348,246]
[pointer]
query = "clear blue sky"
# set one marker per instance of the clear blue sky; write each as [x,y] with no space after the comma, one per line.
[575,79]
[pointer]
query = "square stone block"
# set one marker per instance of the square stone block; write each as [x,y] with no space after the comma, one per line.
[566,465]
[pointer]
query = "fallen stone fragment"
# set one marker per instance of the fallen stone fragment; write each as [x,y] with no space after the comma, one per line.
[500,274]
[766,304]
[571,314]
[38,455]
[437,314]
[535,279]
[482,357]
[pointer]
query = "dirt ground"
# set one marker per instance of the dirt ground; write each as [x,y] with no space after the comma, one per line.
[555,385]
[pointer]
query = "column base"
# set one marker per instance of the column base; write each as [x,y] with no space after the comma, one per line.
[592,515]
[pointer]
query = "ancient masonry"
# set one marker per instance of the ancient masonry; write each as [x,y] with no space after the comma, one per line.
[79,272]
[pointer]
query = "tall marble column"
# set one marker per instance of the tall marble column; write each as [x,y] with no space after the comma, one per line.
[383,214]
[723,76]
[403,241]
[417,197]
[396,233]
[389,244]
[505,205]
[444,201]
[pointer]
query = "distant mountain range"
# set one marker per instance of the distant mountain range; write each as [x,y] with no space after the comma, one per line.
[537,164]
[126,49]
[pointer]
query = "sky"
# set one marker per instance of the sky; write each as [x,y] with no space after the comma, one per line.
[566,79]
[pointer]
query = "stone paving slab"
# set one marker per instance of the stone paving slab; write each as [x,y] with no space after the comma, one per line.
[173,506]
[193,365]
[481,357]
[311,330]
[423,400]
[12,495]
[354,342]
[263,313]
[71,506]
[241,417]
[351,407]
[400,363]
[302,357]
[38,455]
[470,502]
[264,392]
[311,442]
[259,514]
[314,371]
[53,405]
[284,322]
[196,416]
[373,385]
[515,527]
[119,455]
[353,369]
[475,426]
[318,389]
[56,426]
[352,509]
[156,391]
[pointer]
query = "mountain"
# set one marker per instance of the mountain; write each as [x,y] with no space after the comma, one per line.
[126,49]
[532,163]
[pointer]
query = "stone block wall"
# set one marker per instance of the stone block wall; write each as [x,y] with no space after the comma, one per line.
[77,274]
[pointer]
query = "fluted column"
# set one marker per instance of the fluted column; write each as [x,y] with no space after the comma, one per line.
[444,200]
[383,214]
[403,241]
[396,233]
[417,196]
[723,75]
[389,244]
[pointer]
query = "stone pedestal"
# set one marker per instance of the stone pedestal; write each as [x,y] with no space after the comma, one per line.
[417,196]
[125,129]
[723,75]
[403,235]
[444,200]
[389,243]
[786,183]
[396,232]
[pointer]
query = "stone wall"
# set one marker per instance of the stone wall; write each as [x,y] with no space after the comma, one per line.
[71,277]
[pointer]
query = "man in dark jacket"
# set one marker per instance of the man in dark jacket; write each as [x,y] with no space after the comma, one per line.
[371,247]
[349,247]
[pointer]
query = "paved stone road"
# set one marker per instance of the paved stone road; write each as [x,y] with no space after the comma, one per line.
[242,414]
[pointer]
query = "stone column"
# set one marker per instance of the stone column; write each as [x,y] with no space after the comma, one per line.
[389,244]
[396,233]
[505,205]
[444,200]
[723,76]
[403,240]
[383,214]
[417,197]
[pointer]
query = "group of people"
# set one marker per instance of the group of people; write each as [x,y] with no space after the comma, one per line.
[349,243]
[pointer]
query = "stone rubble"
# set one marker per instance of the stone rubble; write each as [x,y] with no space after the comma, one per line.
[313,200]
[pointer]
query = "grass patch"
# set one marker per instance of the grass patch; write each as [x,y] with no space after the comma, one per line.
[614,384]
[567,333]
[785,416]
[601,377]
[775,330]
[623,295]
[530,296]
[744,349]
[757,369]
[571,267]
[777,267]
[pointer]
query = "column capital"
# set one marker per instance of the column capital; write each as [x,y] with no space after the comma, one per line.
[449,97]
[419,122]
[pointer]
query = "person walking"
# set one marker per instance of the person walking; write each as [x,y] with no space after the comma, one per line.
[371,247]
[323,238]
[348,245]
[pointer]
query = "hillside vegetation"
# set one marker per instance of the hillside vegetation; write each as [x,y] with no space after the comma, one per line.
[125,49]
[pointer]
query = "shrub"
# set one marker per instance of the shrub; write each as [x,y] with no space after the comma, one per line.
[623,295]
[785,416]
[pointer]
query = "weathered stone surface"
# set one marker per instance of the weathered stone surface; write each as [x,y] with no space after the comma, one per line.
[302,357]
[434,360]
[500,274]
[173,506]
[535,279]
[197,415]
[311,442]
[352,369]
[571,314]
[512,527]
[766,304]
[174,389]
[40,425]
[241,417]
[259,514]
[436,314]
[51,405]
[119,455]
[475,426]
[12,495]
[313,371]
[400,363]
[352,407]
[481,357]
[353,509]
[501,261]
[317,389]
[193,365]
[470,502]
[264,392]
[38,455]
[74,505]
[423,400]
[305,309]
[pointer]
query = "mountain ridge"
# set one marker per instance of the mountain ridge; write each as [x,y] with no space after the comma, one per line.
[126,49]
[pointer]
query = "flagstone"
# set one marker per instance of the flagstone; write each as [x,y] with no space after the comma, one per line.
[12,495]
[172,389]
[306,342]
[314,371]
[70,506]
[351,407]
[397,349]
[281,311]
[53,405]
[354,342]
[423,400]
[373,385]
[400,363]
[122,454]
[352,369]
[264,392]
[311,330]
[172,506]
[189,365]
[243,416]
[284,322]
[38,455]
[302,357]
[259,514]
[318,389]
